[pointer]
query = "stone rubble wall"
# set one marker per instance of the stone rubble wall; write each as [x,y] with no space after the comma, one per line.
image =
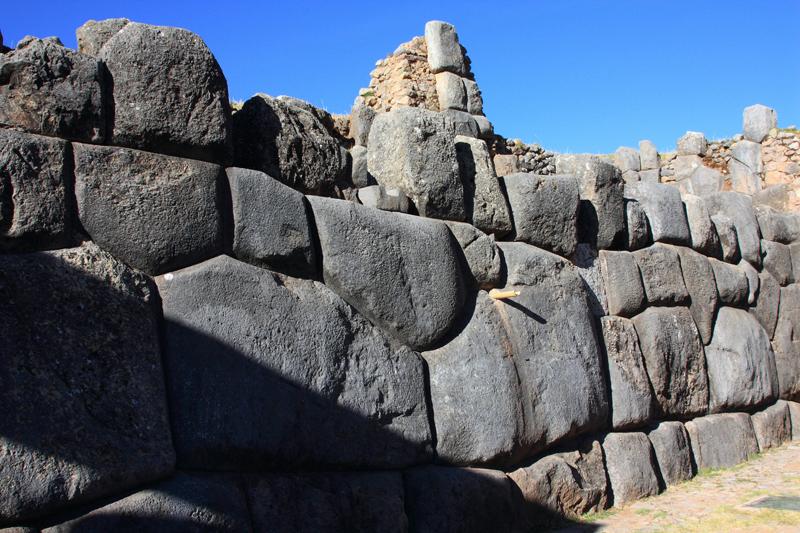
[199,336]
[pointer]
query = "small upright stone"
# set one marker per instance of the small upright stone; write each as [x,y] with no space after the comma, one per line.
[481,252]
[444,51]
[767,302]
[732,284]
[631,466]
[673,452]
[648,155]
[706,180]
[451,91]
[699,278]
[728,239]
[627,159]
[661,275]
[692,143]
[739,208]
[486,205]
[773,425]
[623,283]
[361,117]
[636,225]
[474,98]
[757,120]
[777,259]
[664,209]
[701,228]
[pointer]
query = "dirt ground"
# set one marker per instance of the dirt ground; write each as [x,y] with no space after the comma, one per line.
[714,501]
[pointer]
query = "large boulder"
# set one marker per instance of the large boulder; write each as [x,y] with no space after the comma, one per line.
[733,286]
[483,257]
[664,209]
[661,275]
[444,51]
[673,357]
[82,376]
[95,33]
[776,225]
[35,192]
[631,397]
[267,371]
[413,149]
[270,224]
[623,283]
[739,208]
[698,275]
[631,466]
[485,204]
[757,120]
[169,93]
[673,452]
[386,265]
[740,363]
[772,426]
[51,90]
[292,141]
[721,440]
[544,210]
[154,212]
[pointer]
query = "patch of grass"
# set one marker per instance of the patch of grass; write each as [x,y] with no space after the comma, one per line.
[790,130]
[599,515]
[236,105]
[367,94]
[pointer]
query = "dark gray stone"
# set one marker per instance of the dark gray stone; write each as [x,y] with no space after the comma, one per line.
[485,128]
[292,141]
[637,227]
[463,500]
[740,363]
[739,208]
[673,357]
[95,33]
[481,252]
[786,343]
[631,397]
[444,52]
[35,188]
[266,371]
[413,149]
[474,97]
[463,123]
[544,210]
[721,440]
[777,226]
[728,239]
[270,224]
[386,265]
[673,452]
[154,212]
[704,236]
[767,302]
[757,120]
[186,503]
[587,263]
[664,209]
[772,426]
[699,279]
[82,376]
[361,117]
[626,159]
[661,275]
[732,284]
[486,205]
[327,502]
[169,93]
[794,250]
[623,283]
[360,174]
[51,90]
[631,466]
[777,259]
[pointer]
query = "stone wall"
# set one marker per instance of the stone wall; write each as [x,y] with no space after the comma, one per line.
[197,336]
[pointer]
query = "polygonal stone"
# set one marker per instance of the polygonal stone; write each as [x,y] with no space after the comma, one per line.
[732,284]
[740,363]
[631,466]
[684,167]
[772,426]
[766,305]
[777,260]
[748,153]
[648,155]
[485,204]
[463,123]
[652,176]
[637,227]
[413,149]
[626,158]
[154,212]
[698,276]
[631,398]
[777,226]
[739,208]
[673,357]
[587,263]
[451,91]
[794,415]
[169,93]
[706,180]
[664,209]
[444,52]
[742,178]
[361,117]
[270,224]
[481,252]
[485,128]
[267,371]
[721,440]
[752,281]
[80,358]
[359,174]
[51,90]
[703,234]
[728,239]
[757,120]
[692,143]
[35,188]
[786,342]
[661,275]
[673,452]
[506,164]
[623,283]
[474,98]
[95,33]
[544,210]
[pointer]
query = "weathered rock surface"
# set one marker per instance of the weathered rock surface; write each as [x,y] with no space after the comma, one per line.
[385,265]
[728,239]
[786,342]
[544,210]
[463,123]
[270,224]
[444,51]
[623,283]
[664,209]
[705,180]
[451,91]
[481,252]
[485,204]
[767,302]
[777,260]
[51,90]
[673,452]
[413,150]
[661,275]
[757,120]
[292,141]
[739,208]
[378,197]
[169,93]
[703,234]
[361,117]
[267,371]
[627,159]
[648,155]
[732,284]
[777,226]
[80,358]
[587,263]
[741,177]
[95,33]
[740,363]
[794,415]
[721,440]
[631,466]
[631,397]
[359,174]
[637,227]
[772,426]
[673,357]
[753,282]
[154,212]
[698,276]
[474,97]
[35,191]
[692,143]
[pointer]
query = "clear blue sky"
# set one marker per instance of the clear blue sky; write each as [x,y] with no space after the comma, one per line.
[571,75]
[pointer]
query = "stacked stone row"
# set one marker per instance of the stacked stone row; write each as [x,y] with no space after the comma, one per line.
[222,351]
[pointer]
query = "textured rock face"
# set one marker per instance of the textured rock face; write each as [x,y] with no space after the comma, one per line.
[270,224]
[385,264]
[673,356]
[777,226]
[154,72]
[35,188]
[794,416]
[413,150]
[757,120]
[704,235]
[290,140]
[705,180]
[648,155]
[753,282]
[721,440]
[767,302]
[312,503]
[267,371]
[732,284]
[728,239]
[740,363]
[631,466]
[481,252]
[692,143]
[637,227]
[51,90]
[739,209]
[673,452]
[384,199]
[772,426]
[631,397]
[485,203]
[545,210]
[95,33]
[191,502]
[154,212]
[566,484]
[623,283]
[444,52]
[786,342]
[661,275]
[698,276]
[90,374]
[664,209]
[451,91]
[777,260]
